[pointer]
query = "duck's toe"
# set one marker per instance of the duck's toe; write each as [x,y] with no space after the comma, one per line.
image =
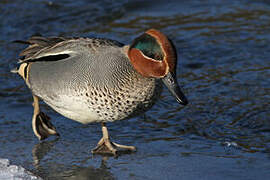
[106,147]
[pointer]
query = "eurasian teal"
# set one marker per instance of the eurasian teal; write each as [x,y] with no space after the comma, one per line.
[98,80]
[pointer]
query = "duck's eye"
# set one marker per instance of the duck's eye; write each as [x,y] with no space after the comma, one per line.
[149,46]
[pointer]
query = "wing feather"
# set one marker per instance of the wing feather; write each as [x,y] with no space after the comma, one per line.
[37,44]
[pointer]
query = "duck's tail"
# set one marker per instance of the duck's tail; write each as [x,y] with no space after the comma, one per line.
[15,70]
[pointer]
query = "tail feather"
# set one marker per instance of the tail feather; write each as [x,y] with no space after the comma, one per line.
[15,70]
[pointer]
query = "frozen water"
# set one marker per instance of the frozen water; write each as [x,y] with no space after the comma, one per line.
[8,171]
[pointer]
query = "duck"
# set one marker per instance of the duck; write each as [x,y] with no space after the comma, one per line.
[97,80]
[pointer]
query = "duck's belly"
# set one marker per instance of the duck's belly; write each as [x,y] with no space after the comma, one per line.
[97,106]
[73,108]
[89,112]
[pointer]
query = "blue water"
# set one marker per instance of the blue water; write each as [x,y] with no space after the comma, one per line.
[223,68]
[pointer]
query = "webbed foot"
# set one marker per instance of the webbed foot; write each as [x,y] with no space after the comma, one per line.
[105,146]
[41,124]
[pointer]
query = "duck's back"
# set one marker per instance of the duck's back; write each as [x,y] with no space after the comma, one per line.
[82,63]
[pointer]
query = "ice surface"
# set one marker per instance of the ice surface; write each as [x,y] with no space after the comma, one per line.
[8,171]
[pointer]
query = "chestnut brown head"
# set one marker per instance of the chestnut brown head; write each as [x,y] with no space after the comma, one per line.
[153,55]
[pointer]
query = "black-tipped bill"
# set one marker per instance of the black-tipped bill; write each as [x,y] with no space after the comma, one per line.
[170,81]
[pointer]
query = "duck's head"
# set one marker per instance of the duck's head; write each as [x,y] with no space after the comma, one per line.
[153,55]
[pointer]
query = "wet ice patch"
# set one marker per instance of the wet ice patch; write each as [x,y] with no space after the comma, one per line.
[8,171]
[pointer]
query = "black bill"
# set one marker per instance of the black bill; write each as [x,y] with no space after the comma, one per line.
[170,81]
